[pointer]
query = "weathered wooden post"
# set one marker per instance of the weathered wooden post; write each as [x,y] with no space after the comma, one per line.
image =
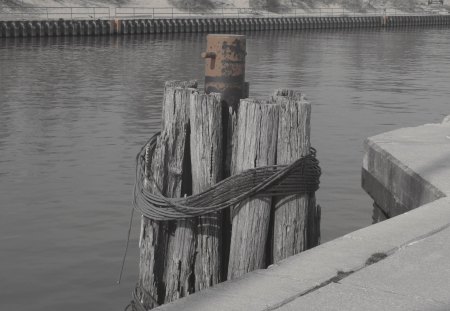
[179,255]
[255,143]
[276,131]
[161,281]
[296,217]
[207,166]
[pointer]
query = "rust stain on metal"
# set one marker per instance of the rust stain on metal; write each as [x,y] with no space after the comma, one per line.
[116,25]
[225,66]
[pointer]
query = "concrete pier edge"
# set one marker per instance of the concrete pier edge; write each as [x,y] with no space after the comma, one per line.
[103,27]
[397,264]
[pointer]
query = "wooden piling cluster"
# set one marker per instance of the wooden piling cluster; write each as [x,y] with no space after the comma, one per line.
[206,137]
[180,257]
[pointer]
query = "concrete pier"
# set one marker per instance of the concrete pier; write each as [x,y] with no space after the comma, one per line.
[397,264]
[407,168]
[207,25]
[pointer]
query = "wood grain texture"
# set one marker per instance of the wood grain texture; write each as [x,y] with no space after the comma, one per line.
[207,164]
[165,169]
[295,217]
[255,141]
[180,250]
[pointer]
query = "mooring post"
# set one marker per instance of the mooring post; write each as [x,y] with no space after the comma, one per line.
[225,66]
[206,150]
[204,138]
[255,144]
[296,217]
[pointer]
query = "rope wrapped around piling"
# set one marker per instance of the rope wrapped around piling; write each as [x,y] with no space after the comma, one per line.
[301,176]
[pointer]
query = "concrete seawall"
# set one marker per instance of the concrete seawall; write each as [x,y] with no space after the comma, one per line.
[206,25]
[397,264]
[402,171]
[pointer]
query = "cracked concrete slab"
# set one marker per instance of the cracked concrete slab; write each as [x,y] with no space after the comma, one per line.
[281,283]
[253,291]
[421,269]
[414,277]
[338,297]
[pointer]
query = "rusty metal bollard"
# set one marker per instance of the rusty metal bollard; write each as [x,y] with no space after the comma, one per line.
[225,74]
[117,26]
[225,66]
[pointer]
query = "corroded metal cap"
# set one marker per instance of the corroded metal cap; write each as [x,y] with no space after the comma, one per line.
[225,66]
[117,25]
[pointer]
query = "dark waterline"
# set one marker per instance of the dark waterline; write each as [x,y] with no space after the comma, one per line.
[75,111]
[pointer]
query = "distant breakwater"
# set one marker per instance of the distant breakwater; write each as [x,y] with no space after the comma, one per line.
[50,28]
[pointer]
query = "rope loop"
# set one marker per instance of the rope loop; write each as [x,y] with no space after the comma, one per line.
[301,176]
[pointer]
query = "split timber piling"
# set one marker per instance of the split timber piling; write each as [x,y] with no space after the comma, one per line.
[255,145]
[99,27]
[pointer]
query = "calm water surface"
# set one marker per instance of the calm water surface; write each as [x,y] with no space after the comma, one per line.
[75,111]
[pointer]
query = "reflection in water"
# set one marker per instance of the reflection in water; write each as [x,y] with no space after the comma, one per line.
[74,111]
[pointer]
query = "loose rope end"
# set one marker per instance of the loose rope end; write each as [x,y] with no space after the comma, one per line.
[126,247]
